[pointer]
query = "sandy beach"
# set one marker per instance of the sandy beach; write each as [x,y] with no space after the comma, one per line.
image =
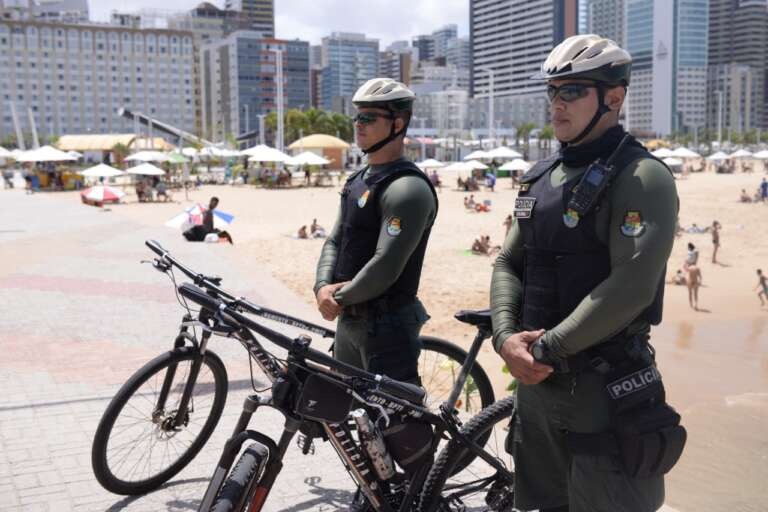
[715,361]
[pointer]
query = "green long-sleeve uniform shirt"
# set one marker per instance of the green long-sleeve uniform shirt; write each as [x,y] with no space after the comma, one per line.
[637,262]
[407,198]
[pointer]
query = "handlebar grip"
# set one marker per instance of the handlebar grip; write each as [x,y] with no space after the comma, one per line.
[155,247]
[199,297]
[404,390]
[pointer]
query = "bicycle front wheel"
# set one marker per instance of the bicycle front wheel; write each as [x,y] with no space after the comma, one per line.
[137,446]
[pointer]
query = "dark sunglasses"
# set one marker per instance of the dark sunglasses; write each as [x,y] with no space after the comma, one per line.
[369,117]
[568,92]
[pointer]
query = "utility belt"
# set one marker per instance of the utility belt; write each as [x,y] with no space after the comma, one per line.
[646,434]
[605,357]
[383,304]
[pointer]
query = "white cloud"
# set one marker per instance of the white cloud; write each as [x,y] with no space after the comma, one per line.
[387,20]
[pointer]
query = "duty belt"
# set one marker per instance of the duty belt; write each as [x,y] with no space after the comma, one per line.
[605,356]
[385,304]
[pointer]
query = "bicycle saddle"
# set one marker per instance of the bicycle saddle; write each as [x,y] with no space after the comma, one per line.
[480,318]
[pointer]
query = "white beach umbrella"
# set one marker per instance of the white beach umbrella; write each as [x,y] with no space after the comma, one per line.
[762,155]
[673,162]
[44,154]
[662,153]
[504,153]
[741,153]
[189,152]
[4,153]
[101,171]
[430,163]
[476,155]
[685,153]
[309,158]
[458,167]
[517,164]
[474,164]
[147,156]
[717,156]
[146,169]
[264,153]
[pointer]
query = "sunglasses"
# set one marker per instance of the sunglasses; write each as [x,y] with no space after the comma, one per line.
[569,92]
[365,118]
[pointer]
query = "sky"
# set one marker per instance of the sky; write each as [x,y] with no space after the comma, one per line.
[310,20]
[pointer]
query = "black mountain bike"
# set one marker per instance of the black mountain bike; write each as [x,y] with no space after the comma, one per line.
[165,413]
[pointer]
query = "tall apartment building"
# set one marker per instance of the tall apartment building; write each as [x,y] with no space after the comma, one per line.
[606,18]
[74,77]
[66,11]
[738,64]
[395,65]
[458,53]
[349,60]
[239,81]
[512,38]
[260,12]
[668,42]
[435,45]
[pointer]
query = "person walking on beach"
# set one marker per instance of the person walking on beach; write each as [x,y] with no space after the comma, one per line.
[764,190]
[575,290]
[762,285]
[370,266]
[715,229]
[693,282]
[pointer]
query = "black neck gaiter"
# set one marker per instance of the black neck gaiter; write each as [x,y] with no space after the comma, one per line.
[582,155]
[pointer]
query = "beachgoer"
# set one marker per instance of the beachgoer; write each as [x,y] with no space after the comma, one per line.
[693,281]
[764,190]
[507,225]
[715,230]
[745,198]
[303,232]
[573,328]
[762,285]
[692,258]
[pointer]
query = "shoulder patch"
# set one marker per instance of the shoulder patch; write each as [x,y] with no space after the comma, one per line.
[633,225]
[394,226]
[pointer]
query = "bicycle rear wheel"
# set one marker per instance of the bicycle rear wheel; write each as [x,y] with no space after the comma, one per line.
[136,447]
[444,480]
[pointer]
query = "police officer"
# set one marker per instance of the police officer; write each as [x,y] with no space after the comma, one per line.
[369,269]
[575,290]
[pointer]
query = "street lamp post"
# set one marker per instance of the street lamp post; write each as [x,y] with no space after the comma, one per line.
[261,128]
[719,119]
[247,120]
[280,107]
[491,120]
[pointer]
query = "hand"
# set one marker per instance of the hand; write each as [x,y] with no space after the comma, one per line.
[522,366]
[326,304]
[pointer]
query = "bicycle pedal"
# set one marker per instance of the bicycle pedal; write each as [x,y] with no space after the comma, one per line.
[306,444]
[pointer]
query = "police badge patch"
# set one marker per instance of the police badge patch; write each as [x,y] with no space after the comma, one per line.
[633,225]
[363,199]
[524,207]
[571,218]
[394,226]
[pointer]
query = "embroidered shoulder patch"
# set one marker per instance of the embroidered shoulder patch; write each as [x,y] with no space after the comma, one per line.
[363,199]
[524,187]
[394,226]
[633,225]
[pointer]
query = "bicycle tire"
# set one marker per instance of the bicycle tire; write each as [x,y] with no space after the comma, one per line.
[480,378]
[99,451]
[238,487]
[443,468]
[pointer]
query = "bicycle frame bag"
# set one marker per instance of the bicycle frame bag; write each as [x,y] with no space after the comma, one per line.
[409,442]
[324,399]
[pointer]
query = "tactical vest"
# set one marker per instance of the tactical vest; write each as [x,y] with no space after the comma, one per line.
[564,264]
[361,224]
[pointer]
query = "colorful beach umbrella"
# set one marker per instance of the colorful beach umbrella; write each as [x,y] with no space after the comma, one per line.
[193,216]
[102,194]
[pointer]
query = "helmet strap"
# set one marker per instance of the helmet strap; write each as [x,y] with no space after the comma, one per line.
[392,136]
[602,109]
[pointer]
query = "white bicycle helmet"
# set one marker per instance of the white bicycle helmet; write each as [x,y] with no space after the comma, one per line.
[386,93]
[390,95]
[587,56]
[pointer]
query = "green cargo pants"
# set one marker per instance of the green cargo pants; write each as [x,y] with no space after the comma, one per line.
[383,342]
[547,475]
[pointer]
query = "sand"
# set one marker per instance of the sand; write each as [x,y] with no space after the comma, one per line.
[715,361]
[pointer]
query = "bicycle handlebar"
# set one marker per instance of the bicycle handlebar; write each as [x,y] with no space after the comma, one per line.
[397,388]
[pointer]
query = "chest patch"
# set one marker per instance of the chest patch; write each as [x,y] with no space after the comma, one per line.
[363,199]
[633,225]
[524,187]
[394,226]
[524,207]
[571,218]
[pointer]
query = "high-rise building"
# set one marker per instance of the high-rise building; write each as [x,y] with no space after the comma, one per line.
[395,65]
[74,77]
[65,11]
[511,38]
[425,46]
[435,45]
[444,112]
[239,81]
[738,65]
[349,60]
[606,18]
[458,53]
[668,42]
[261,13]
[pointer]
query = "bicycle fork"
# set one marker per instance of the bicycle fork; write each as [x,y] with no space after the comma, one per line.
[234,444]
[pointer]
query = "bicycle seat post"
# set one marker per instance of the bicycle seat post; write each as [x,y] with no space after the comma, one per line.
[482,334]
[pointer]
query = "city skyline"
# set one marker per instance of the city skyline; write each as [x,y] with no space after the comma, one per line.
[313,21]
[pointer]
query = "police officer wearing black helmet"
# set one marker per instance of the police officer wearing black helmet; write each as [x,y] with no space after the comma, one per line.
[370,266]
[574,293]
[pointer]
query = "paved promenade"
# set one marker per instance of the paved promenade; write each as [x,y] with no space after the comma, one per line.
[78,315]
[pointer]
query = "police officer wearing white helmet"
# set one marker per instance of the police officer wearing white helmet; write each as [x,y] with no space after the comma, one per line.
[574,293]
[370,266]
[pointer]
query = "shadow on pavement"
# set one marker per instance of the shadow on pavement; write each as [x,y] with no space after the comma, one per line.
[170,502]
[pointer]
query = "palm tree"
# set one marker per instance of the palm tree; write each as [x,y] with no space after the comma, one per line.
[546,135]
[525,130]
[342,126]
[120,151]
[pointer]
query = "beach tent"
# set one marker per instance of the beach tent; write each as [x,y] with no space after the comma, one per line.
[44,154]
